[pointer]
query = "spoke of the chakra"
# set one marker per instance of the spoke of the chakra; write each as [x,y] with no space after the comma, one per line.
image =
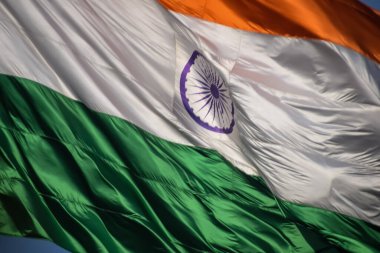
[202,76]
[224,109]
[209,72]
[216,112]
[227,116]
[203,98]
[200,87]
[203,68]
[208,79]
[201,72]
[224,98]
[204,105]
[218,81]
[214,78]
[201,92]
[209,109]
[213,109]
[204,83]
[202,63]
[220,110]
[220,116]
[221,106]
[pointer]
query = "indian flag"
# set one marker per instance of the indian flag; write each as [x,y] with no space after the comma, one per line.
[191,125]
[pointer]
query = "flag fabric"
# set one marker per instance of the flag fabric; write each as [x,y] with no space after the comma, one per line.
[191,126]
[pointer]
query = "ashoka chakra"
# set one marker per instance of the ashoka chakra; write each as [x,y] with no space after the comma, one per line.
[206,96]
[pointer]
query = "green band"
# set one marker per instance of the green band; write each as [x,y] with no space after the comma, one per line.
[91,182]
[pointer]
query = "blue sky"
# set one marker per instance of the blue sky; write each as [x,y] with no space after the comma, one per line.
[26,245]
[373,3]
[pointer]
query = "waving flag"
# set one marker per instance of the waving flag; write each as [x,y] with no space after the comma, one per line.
[191,126]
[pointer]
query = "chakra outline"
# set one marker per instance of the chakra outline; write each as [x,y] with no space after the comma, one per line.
[205,95]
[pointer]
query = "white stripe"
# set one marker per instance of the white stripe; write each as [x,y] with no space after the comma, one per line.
[308,115]
[306,111]
[116,57]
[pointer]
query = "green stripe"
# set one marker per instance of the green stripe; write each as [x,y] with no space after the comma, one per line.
[91,182]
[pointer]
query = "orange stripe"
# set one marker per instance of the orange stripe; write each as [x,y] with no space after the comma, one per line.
[345,22]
